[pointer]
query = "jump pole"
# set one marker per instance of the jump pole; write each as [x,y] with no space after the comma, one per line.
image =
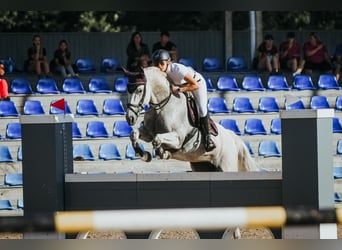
[307,167]
[145,220]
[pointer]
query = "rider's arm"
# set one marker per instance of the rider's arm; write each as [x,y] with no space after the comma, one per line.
[191,85]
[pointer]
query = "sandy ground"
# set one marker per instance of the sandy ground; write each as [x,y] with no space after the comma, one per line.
[257,233]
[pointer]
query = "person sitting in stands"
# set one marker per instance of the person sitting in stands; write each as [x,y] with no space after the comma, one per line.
[3,85]
[37,57]
[337,61]
[290,54]
[268,56]
[167,45]
[62,61]
[138,54]
[316,55]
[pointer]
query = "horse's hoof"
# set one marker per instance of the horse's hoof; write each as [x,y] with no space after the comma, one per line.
[147,157]
[156,143]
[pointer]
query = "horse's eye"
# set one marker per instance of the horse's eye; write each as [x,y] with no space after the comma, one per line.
[131,88]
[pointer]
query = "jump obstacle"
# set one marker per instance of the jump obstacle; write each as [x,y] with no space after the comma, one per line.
[136,200]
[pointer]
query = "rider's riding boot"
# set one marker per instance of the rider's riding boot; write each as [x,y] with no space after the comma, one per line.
[208,142]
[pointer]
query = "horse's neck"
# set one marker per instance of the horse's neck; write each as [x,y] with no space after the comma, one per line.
[160,91]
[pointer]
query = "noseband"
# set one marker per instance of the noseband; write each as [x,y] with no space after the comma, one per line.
[136,108]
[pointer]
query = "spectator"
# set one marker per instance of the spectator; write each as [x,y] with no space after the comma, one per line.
[290,54]
[316,55]
[167,45]
[61,60]
[137,52]
[3,85]
[37,58]
[337,61]
[268,56]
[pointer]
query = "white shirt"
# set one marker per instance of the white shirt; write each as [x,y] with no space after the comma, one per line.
[176,72]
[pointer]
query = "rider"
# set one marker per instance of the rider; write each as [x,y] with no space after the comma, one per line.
[184,79]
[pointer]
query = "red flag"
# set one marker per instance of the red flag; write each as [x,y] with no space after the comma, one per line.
[60,104]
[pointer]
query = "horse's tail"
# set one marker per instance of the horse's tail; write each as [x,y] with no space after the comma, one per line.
[246,161]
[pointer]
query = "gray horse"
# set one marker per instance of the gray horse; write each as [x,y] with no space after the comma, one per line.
[166,125]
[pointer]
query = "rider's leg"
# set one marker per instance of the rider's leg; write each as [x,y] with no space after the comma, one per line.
[201,99]
[208,142]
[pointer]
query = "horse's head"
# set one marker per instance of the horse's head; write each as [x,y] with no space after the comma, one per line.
[137,96]
[146,87]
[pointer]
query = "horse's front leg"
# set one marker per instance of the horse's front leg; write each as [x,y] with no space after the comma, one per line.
[144,155]
[169,140]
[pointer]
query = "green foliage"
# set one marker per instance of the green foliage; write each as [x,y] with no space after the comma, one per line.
[116,21]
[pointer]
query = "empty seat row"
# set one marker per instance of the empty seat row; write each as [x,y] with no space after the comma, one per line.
[94,129]
[111,106]
[255,126]
[274,83]
[70,86]
[269,104]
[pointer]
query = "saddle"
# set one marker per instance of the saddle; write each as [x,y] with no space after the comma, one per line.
[193,115]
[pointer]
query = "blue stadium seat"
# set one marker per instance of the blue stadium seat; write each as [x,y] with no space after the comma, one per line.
[20,204]
[113,106]
[47,86]
[96,129]
[188,62]
[33,107]
[86,107]
[73,86]
[122,129]
[337,197]
[109,151]
[277,82]
[303,82]
[13,179]
[20,153]
[21,86]
[319,102]
[98,85]
[254,126]
[338,103]
[337,172]
[337,127]
[227,83]
[120,84]
[268,104]
[231,124]
[339,147]
[13,130]
[217,105]
[83,152]
[252,83]
[211,64]
[85,65]
[5,154]
[76,132]
[54,111]
[130,153]
[7,108]
[6,205]
[275,127]
[294,105]
[327,81]
[269,148]
[243,105]
[210,87]
[250,149]
[110,64]
[236,63]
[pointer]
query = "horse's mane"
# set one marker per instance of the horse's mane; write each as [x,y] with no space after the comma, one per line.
[152,73]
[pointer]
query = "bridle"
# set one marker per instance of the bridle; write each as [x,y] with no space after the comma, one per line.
[136,108]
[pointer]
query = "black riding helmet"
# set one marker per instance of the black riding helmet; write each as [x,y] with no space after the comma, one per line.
[160,55]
